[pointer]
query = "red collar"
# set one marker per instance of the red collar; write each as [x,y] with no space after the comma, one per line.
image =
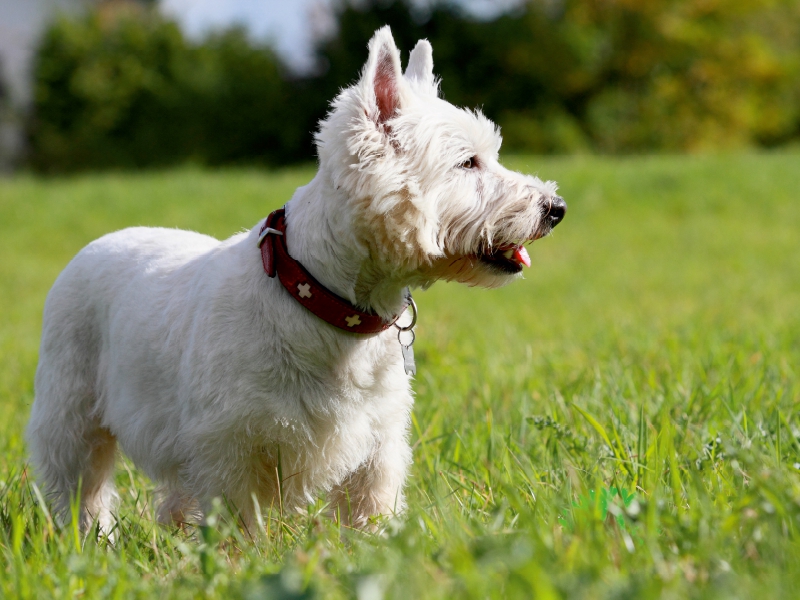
[305,289]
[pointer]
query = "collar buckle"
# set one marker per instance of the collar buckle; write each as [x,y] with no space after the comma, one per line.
[265,233]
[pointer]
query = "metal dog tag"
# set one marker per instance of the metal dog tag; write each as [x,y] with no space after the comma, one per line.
[408,359]
[408,352]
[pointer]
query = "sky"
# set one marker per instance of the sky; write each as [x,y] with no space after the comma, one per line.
[290,25]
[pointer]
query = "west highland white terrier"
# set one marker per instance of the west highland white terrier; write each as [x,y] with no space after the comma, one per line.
[219,379]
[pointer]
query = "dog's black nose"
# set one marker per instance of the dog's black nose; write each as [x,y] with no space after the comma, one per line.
[556,210]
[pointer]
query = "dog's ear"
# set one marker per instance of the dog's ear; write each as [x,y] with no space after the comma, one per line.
[382,76]
[420,66]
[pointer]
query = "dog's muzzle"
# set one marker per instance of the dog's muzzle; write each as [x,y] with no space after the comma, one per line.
[510,258]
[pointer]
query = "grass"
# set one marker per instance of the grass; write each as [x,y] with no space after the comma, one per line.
[621,424]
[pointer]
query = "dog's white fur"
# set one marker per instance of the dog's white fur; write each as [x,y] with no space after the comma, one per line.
[215,381]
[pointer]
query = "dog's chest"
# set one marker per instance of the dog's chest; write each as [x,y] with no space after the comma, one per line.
[335,396]
[348,369]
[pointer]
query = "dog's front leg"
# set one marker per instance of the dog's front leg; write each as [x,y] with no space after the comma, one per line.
[376,486]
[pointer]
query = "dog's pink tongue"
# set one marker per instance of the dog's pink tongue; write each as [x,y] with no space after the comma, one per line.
[521,256]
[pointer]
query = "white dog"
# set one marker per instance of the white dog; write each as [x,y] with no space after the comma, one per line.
[218,380]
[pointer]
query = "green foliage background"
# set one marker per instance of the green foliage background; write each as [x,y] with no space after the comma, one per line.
[128,90]
[623,423]
[124,88]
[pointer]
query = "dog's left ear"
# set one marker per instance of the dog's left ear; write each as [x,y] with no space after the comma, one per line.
[381,78]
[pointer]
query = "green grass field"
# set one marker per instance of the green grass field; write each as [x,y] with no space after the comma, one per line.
[623,423]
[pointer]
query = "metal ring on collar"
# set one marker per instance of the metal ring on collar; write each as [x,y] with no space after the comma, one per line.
[413,306]
[400,333]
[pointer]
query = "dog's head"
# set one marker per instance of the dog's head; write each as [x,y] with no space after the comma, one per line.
[422,179]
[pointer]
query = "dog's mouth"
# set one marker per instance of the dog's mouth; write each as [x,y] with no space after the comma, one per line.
[509,258]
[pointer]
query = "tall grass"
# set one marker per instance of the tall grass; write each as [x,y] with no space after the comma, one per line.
[622,423]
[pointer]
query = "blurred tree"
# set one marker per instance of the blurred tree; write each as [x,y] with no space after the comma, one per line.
[124,88]
[614,75]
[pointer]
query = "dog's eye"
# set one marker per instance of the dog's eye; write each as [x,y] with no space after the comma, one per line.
[470,163]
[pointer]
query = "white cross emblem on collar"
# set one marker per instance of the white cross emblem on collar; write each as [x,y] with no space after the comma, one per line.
[353,321]
[304,290]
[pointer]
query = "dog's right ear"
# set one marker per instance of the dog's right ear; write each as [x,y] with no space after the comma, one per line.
[419,71]
[381,78]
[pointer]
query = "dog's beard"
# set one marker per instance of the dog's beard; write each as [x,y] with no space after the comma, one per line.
[491,253]
[469,270]
[485,265]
